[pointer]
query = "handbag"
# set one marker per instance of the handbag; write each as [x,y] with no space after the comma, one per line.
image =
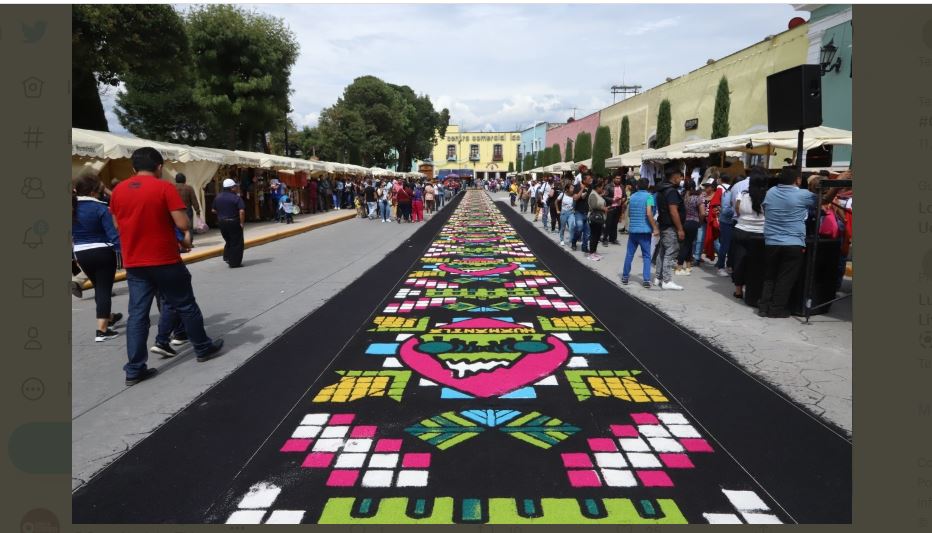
[597,217]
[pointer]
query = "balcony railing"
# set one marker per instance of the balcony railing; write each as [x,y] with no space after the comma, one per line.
[451,157]
[497,157]
[473,157]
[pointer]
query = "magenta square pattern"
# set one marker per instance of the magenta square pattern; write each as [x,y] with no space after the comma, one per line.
[297,445]
[584,478]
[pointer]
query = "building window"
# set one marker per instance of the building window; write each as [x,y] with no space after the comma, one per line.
[497,152]
[473,152]
[451,152]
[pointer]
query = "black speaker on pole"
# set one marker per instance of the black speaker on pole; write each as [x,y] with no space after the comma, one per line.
[794,98]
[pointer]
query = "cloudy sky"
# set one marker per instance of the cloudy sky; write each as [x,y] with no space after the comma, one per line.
[502,67]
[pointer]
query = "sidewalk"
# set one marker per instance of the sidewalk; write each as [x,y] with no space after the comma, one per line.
[279,284]
[210,244]
[809,363]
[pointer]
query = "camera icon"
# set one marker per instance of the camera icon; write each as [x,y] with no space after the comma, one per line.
[925,339]
[32,87]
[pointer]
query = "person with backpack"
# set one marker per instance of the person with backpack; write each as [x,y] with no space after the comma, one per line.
[544,194]
[641,227]
[417,204]
[671,213]
[403,200]
[525,197]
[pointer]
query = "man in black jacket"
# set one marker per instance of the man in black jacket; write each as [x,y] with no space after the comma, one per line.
[671,213]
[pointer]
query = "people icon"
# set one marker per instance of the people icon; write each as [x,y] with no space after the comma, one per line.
[32,188]
[33,342]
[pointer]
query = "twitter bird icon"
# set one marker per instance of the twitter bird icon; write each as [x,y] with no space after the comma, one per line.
[33,33]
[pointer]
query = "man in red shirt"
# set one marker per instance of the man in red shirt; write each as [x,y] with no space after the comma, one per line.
[146,211]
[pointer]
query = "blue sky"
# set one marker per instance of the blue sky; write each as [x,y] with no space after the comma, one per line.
[504,66]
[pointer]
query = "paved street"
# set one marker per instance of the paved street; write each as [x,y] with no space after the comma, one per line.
[478,374]
[811,364]
[280,283]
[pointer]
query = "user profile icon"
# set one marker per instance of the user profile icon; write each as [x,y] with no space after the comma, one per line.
[32,188]
[32,87]
[925,339]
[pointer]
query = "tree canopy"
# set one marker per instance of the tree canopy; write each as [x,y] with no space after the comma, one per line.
[555,156]
[583,146]
[601,150]
[722,105]
[568,156]
[664,124]
[624,137]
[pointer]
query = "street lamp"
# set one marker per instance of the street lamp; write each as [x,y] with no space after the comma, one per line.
[826,55]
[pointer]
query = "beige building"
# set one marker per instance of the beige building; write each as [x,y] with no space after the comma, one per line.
[692,96]
[475,153]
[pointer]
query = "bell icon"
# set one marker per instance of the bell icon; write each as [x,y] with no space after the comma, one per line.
[32,239]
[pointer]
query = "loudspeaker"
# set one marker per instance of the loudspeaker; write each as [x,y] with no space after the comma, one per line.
[794,98]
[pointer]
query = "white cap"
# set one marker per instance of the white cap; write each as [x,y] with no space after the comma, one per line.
[228,183]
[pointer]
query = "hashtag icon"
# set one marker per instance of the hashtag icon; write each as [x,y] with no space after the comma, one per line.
[32,137]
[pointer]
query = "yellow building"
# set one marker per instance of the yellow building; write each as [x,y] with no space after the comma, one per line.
[477,154]
[692,96]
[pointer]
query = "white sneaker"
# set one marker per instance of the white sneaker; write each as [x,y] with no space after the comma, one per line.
[562,243]
[722,272]
[670,286]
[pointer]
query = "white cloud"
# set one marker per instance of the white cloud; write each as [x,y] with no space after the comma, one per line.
[501,66]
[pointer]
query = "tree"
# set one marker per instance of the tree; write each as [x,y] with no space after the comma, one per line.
[511,166]
[663,124]
[528,162]
[624,137]
[583,146]
[601,150]
[110,42]
[243,62]
[722,106]
[555,156]
[423,124]
[569,151]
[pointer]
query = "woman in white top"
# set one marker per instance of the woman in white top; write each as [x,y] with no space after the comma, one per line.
[748,236]
[564,203]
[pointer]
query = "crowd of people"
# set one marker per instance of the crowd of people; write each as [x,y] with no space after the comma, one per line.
[750,225]
[144,224]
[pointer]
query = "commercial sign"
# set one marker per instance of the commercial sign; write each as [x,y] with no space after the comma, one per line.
[692,123]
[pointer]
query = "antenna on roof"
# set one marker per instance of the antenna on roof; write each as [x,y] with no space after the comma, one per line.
[624,90]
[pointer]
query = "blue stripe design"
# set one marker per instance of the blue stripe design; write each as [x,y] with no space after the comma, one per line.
[589,348]
[382,348]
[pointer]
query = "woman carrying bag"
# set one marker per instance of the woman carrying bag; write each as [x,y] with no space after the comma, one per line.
[597,212]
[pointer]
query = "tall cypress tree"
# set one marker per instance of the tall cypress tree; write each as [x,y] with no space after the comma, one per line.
[664,124]
[722,106]
[601,150]
[624,137]
[569,151]
[583,146]
[511,166]
[555,156]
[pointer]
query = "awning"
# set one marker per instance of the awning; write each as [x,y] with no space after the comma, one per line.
[565,166]
[765,142]
[630,159]
[670,152]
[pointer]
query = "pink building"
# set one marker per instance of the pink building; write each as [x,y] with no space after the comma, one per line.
[559,134]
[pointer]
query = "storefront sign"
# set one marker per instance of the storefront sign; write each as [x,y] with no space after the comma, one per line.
[692,123]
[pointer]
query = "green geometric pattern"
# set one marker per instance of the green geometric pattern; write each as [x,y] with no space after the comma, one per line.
[459,306]
[576,379]
[451,428]
[445,430]
[540,430]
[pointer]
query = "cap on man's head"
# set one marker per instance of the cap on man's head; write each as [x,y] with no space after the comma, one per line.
[228,183]
[709,182]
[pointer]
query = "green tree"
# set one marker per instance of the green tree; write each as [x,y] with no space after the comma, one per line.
[583,146]
[511,166]
[664,124]
[110,42]
[722,106]
[569,151]
[624,137]
[528,162]
[422,126]
[243,62]
[555,156]
[601,150]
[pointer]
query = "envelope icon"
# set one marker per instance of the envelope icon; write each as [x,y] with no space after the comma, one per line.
[33,287]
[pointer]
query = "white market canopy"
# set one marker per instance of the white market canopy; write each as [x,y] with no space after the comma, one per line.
[672,151]
[561,167]
[630,159]
[748,142]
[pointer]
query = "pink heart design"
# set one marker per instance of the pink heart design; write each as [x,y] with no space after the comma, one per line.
[497,382]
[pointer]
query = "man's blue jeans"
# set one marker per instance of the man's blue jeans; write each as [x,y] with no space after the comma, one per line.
[697,248]
[724,238]
[385,209]
[567,220]
[173,283]
[169,322]
[372,211]
[635,241]
[581,228]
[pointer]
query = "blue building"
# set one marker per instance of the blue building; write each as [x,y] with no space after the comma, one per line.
[830,38]
[533,140]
